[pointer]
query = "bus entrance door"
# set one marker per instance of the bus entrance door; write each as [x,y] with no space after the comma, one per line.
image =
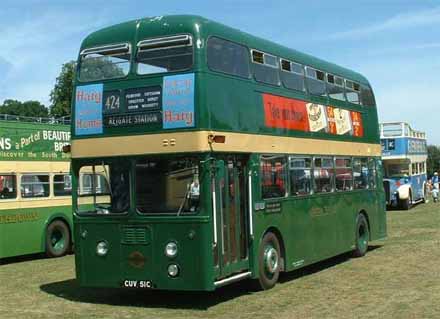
[231,250]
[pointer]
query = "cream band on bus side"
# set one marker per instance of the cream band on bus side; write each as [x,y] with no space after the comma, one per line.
[293,114]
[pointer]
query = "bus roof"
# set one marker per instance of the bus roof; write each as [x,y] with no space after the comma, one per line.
[164,25]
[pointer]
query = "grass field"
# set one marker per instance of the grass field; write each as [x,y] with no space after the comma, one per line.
[399,278]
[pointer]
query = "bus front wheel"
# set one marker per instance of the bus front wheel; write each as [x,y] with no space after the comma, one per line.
[57,239]
[405,204]
[269,261]
[362,236]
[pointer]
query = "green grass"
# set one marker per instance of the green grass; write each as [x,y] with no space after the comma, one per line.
[399,278]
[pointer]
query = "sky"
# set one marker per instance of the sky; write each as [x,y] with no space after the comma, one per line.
[395,44]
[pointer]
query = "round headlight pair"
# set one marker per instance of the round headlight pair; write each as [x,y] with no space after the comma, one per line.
[171,249]
[102,248]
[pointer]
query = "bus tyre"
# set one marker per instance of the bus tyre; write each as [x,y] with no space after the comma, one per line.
[57,239]
[362,236]
[405,204]
[269,261]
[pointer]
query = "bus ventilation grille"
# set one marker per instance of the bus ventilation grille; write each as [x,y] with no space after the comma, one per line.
[135,235]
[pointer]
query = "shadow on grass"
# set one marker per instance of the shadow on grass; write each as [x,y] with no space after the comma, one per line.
[20,259]
[320,266]
[70,290]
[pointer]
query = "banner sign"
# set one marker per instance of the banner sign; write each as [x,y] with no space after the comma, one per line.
[33,142]
[293,114]
[88,109]
[281,112]
[178,101]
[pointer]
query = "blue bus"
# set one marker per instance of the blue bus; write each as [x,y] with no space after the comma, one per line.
[404,155]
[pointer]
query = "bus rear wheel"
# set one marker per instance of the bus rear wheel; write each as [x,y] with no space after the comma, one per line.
[362,236]
[57,239]
[269,261]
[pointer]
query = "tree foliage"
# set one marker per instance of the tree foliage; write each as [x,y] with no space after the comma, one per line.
[433,163]
[28,108]
[61,95]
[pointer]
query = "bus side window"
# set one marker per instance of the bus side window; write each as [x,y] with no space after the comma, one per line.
[360,172]
[292,75]
[344,174]
[335,87]
[367,96]
[315,81]
[273,176]
[62,185]
[265,68]
[323,174]
[352,91]
[35,186]
[300,175]
[372,173]
[228,57]
[8,187]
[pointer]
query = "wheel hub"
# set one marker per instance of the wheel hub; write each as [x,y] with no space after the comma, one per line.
[271,260]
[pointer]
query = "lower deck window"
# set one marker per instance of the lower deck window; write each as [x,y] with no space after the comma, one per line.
[62,185]
[34,186]
[344,174]
[360,172]
[273,176]
[167,186]
[323,174]
[8,186]
[300,175]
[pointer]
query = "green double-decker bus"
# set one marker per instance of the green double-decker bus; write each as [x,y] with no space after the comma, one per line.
[214,156]
[35,187]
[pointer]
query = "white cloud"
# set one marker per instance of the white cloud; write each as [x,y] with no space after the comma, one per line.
[398,22]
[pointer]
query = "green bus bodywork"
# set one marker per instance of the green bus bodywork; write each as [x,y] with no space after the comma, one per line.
[221,241]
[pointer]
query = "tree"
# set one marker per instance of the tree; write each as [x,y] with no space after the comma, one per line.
[433,163]
[61,95]
[28,108]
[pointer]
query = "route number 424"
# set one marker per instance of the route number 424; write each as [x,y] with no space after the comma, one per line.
[112,102]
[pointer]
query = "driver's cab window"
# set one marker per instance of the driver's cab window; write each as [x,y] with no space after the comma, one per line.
[104,188]
[167,185]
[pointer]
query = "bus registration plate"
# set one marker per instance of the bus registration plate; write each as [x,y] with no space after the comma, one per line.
[141,284]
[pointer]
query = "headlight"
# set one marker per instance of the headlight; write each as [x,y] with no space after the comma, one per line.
[171,249]
[173,270]
[102,248]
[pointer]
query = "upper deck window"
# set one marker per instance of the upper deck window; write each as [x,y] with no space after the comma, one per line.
[104,62]
[293,75]
[228,57]
[315,81]
[335,87]
[164,54]
[265,68]
[352,91]
[367,96]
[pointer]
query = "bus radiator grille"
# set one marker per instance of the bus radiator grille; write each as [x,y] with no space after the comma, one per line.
[135,235]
